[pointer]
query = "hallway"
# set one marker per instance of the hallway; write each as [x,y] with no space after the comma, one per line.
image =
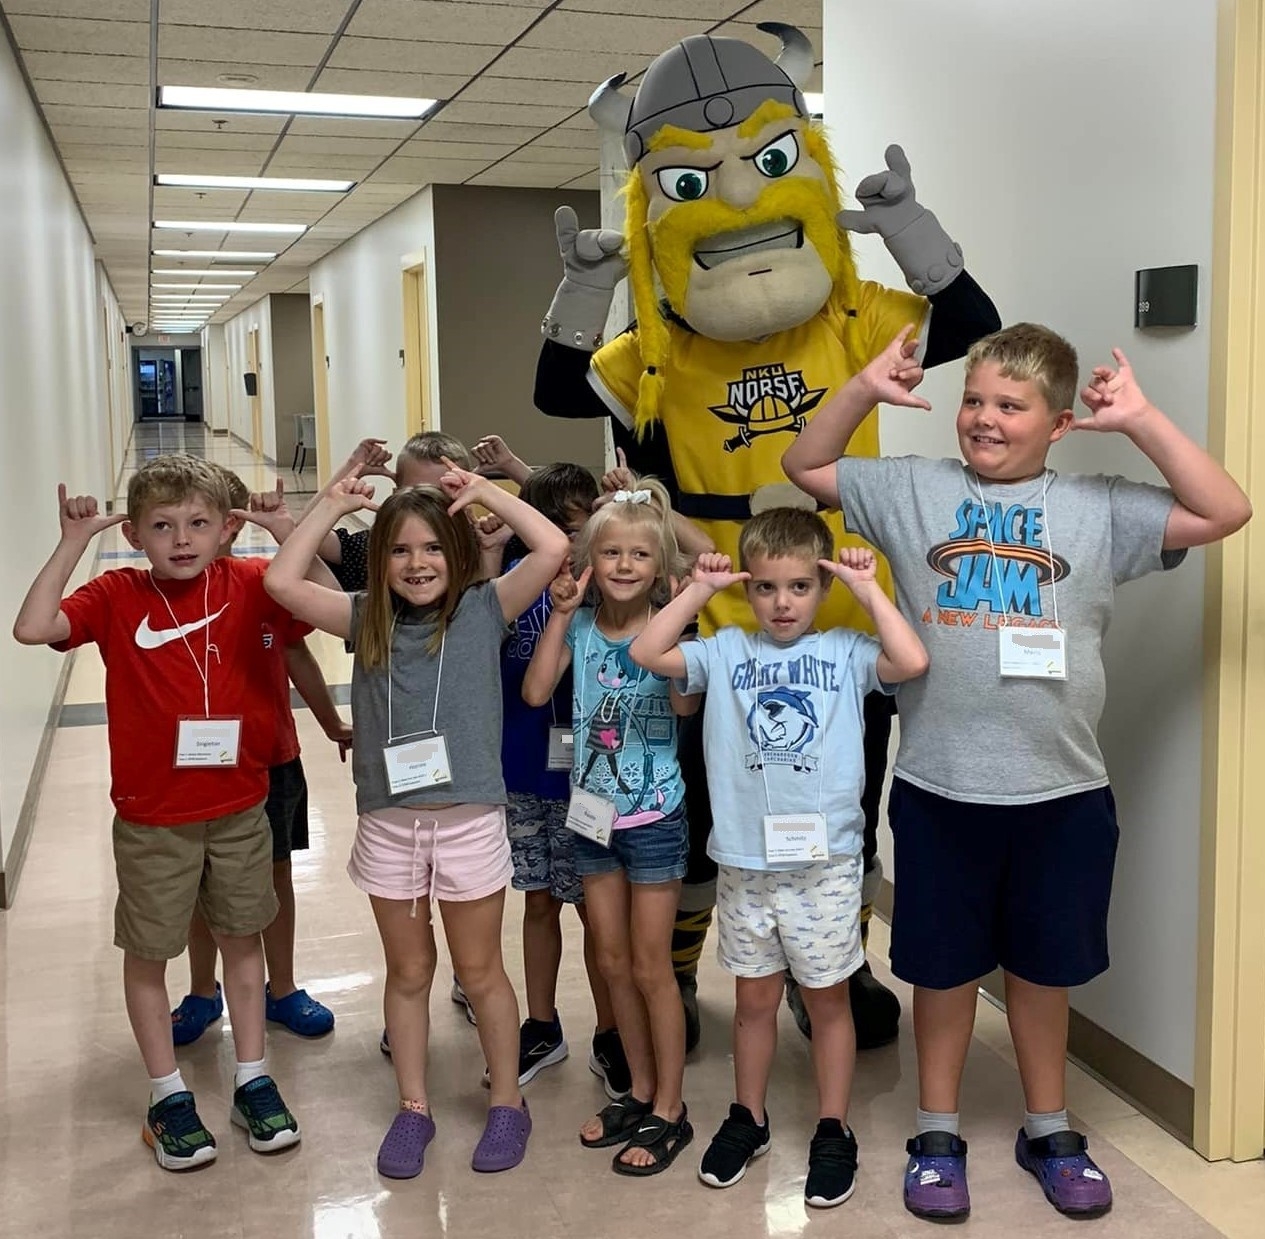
[71,1073]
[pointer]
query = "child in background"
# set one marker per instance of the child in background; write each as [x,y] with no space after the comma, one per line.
[191,737]
[783,740]
[628,799]
[539,786]
[1002,816]
[286,808]
[429,788]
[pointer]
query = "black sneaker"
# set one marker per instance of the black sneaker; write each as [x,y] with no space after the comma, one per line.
[607,1062]
[832,1165]
[540,1045]
[734,1147]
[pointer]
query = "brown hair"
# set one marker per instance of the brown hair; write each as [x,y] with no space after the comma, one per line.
[238,494]
[176,479]
[434,445]
[1031,353]
[460,547]
[786,533]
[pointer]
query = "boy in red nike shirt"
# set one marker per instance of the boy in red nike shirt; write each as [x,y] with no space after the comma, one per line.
[191,729]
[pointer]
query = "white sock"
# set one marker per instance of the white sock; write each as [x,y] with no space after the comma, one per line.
[1037,1125]
[164,1086]
[929,1120]
[246,1072]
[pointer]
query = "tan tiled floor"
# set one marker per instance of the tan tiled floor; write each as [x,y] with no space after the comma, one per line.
[72,1163]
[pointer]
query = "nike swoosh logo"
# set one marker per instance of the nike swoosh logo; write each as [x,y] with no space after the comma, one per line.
[149,639]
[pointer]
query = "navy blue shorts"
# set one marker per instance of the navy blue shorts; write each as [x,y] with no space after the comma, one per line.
[1024,886]
[287,808]
[655,852]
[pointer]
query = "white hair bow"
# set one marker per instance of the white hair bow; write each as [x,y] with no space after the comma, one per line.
[631,496]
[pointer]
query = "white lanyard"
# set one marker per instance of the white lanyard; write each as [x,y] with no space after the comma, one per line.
[579,683]
[764,772]
[439,676]
[204,671]
[1049,544]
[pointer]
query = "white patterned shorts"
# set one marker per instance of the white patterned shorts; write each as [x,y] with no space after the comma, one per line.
[807,920]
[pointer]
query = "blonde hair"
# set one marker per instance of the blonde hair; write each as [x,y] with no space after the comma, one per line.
[238,494]
[176,478]
[786,533]
[1034,354]
[654,516]
[460,547]
[433,445]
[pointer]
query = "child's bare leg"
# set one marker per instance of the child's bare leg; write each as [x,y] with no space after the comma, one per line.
[1038,1016]
[603,1009]
[145,993]
[244,992]
[473,931]
[202,956]
[279,936]
[408,943]
[756,1004]
[943,1022]
[834,1048]
[542,953]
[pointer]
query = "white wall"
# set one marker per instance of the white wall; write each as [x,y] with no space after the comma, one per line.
[359,285]
[52,405]
[118,394]
[1065,143]
[236,331]
[215,377]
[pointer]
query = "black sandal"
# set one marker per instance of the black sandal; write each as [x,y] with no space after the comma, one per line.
[663,1140]
[619,1120]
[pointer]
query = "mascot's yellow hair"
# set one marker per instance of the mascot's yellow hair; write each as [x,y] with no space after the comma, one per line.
[652,328]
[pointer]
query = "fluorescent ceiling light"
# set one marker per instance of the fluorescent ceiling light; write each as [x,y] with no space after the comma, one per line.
[815,102]
[252,182]
[194,287]
[218,255]
[210,225]
[292,102]
[214,274]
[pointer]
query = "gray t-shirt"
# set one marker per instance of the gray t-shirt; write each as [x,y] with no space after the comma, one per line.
[965,732]
[469,713]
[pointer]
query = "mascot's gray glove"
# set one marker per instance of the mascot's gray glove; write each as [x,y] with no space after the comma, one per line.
[591,267]
[929,258]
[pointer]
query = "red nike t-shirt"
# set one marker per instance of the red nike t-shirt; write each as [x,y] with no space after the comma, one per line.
[152,679]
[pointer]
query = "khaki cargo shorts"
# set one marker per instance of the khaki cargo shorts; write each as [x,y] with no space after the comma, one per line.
[223,866]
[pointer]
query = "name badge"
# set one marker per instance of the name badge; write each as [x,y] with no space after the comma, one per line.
[207,742]
[417,764]
[561,748]
[796,837]
[1032,653]
[591,816]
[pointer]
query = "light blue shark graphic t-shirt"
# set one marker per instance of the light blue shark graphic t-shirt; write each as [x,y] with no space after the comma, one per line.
[625,730]
[782,734]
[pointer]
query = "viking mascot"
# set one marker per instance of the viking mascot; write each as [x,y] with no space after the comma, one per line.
[749,316]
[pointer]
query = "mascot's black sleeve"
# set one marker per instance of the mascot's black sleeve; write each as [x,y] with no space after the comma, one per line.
[961,313]
[562,390]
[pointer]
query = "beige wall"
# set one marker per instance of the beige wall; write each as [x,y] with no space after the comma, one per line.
[496,270]
[291,370]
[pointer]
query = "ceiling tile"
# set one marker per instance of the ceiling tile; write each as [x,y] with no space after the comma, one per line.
[336,127]
[494,113]
[407,56]
[557,155]
[239,47]
[166,121]
[603,32]
[424,148]
[703,11]
[590,180]
[527,176]
[74,34]
[569,66]
[93,95]
[443,130]
[121,157]
[85,67]
[68,114]
[311,206]
[303,16]
[587,139]
[122,10]
[442,21]
[800,13]
[419,172]
[511,90]
[767,43]
[177,158]
[193,69]
[323,146]
[106,135]
[384,82]
[309,164]
[173,203]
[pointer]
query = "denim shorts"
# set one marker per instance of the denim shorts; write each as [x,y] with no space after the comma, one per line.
[542,848]
[655,852]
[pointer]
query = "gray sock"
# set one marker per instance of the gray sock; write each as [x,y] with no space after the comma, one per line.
[928,1120]
[1037,1125]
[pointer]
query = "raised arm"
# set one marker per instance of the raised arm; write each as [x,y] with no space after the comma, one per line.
[306,676]
[40,619]
[903,657]
[495,456]
[657,647]
[551,656]
[890,378]
[1210,503]
[370,459]
[547,545]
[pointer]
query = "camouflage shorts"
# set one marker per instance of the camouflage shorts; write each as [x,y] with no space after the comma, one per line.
[542,847]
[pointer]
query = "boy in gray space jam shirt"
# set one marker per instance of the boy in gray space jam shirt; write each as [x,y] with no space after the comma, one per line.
[1005,840]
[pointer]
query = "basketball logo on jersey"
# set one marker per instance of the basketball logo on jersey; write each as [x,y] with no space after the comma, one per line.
[766,400]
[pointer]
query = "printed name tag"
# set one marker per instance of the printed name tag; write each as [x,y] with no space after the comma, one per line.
[202,742]
[417,764]
[1033,653]
[591,816]
[561,748]
[796,836]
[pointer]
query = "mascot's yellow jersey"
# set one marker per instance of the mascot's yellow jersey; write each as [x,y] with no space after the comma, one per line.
[731,409]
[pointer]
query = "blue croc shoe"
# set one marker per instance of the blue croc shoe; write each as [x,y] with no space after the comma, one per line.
[190,1019]
[299,1012]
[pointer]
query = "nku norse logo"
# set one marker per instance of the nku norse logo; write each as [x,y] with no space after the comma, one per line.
[766,400]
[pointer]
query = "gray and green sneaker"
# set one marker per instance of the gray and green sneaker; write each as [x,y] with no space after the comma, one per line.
[175,1133]
[257,1106]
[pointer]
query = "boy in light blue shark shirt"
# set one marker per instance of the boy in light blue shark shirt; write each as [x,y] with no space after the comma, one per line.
[783,740]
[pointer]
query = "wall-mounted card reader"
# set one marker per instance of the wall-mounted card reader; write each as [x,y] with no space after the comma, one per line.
[1166,296]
